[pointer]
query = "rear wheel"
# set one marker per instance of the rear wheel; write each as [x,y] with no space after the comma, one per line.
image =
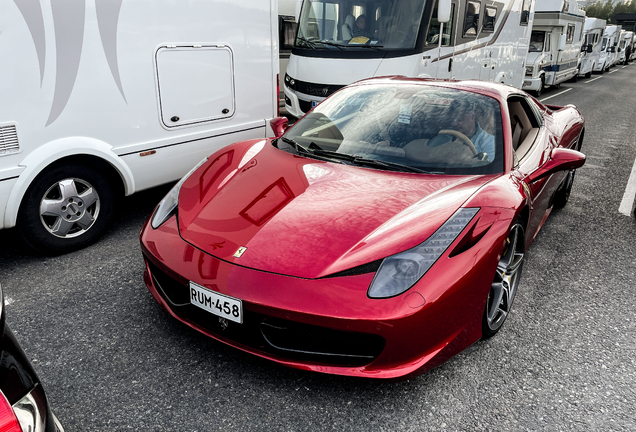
[66,208]
[504,286]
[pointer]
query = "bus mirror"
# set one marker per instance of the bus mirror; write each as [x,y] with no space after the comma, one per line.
[590,48]
[443,11]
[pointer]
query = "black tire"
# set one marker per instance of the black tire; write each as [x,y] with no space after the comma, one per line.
[575,78]
[588,75]
[80,205]
[539,92]
[562,194]
[505,282]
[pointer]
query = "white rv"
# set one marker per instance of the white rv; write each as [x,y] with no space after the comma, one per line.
[555,44]
[105,98]
[609,54]
[343,41]
[624,49]
[591,47]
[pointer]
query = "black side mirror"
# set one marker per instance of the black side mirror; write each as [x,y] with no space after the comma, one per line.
[590,48]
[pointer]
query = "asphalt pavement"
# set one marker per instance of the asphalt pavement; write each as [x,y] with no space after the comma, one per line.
[111,359]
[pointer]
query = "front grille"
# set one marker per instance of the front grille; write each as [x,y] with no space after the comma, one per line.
[319,90]
[305,106]
[9,140]
[283,338]
[307,339]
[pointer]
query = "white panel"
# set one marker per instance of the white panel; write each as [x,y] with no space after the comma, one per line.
[196,84]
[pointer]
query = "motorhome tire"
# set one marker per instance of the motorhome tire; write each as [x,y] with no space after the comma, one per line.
[65,209]
[588,75]
[541,87]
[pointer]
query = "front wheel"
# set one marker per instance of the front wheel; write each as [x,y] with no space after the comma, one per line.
[66,208]
[504,286]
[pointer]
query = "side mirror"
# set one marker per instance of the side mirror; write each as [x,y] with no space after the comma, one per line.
[443,11]
[279,126]
[590,48]
[612,49]
[560,160]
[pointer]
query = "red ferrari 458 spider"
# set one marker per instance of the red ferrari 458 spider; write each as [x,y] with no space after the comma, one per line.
[380,235]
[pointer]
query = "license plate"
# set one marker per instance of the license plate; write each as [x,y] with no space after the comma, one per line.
[218,304]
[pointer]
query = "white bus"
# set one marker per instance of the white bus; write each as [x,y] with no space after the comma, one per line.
[555,44]
[343,41]
[591,47]
[104,98]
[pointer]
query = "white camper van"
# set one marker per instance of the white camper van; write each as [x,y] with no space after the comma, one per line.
[609,54]
[342,41]
[624,50]
[105,98]
[591,46]
[555,44]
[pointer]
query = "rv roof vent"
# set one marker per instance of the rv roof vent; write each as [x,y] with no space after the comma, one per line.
[9,140]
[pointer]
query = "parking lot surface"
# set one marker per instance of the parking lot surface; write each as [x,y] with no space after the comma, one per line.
[112,360]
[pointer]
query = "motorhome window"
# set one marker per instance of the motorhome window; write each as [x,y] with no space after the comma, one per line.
[566,7]
[349,24]
[490,17]
[410,124]
[471,21]
[604,44]
[537,39]
[570,34]
[525,12]
[432,36]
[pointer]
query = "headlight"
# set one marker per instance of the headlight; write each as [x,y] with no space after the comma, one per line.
[400,272]
[290,82]
[529,70]
[169,203]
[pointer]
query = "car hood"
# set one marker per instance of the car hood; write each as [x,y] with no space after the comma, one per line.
[308,218]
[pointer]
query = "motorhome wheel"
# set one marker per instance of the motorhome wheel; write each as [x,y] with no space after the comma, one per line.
[65,209]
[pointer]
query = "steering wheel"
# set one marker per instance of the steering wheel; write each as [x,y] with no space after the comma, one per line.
[461,137]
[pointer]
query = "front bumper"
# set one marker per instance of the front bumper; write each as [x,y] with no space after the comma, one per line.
[531,84]
[329,324]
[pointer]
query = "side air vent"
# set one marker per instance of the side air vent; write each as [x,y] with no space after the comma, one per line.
[9,140]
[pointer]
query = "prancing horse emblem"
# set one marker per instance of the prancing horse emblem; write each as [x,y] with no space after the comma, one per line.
[240,252]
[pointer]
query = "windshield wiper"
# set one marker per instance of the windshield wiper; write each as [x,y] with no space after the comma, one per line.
[303,151]
[339,46]
[311,44]
[299,149]
[364,161]
[375,47]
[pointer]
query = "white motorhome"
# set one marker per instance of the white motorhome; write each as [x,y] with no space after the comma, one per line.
[555,44]
[105,98]
[609,54]
[287,34]
[333,48]
[624,49]
[591,46]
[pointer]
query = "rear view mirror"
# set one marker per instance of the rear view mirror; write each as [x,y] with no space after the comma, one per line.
[612,49]
[590,48]
[443,11]
[279,126]
[560,160]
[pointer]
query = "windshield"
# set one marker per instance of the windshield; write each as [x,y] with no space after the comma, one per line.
[433,129]
[346,24]
[536,41]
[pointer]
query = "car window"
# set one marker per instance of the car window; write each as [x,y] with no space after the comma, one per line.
[436,129]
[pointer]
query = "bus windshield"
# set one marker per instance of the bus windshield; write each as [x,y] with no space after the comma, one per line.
[347,24]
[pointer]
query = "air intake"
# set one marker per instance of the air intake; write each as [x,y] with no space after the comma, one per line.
[9,140]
